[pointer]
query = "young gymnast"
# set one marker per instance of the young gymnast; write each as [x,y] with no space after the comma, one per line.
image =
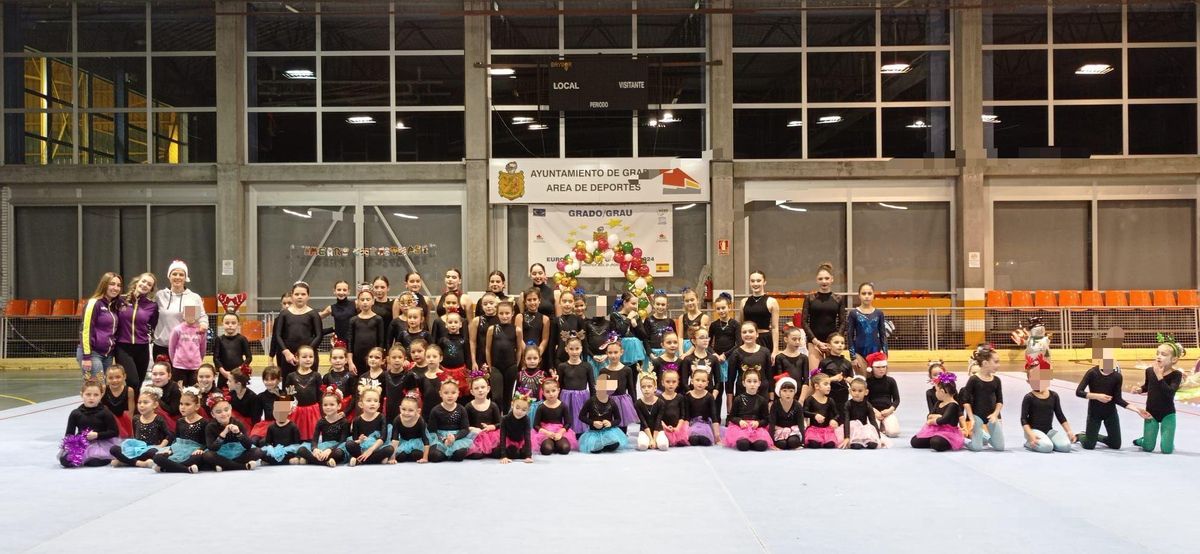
[266,401]
[227,440]
[533,327]
[282,439]
[723,331]
[569,324]
[366,331]
[449,427]
[484,417]
[1162,380]
[168,403]
[669,358]
[866,328]
[339,376]
[823,414]
[245,402]
[657,324]
[231,350]
[883,394]
[578,382]
[623,376]
[410,436]
[605,432]
[530,377]
[1101,386]
[983,400]
[786,419]
[941,431]
[862,428]
[96,427]
[330,433]
[304,384]
[691,320]
[150,433]
[701,411]
[515,428]
[792,361]
[624,322]
[119,398]
[746,427]
[1039,409]
[553,422]
[187,450]
[368,440]
[649,411]
[396,379]
[751,354]
[503,353]
[838,369]
[675,425]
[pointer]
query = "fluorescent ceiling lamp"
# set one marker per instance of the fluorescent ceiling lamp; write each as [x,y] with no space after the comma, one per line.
[1094,69]
[360,120]
[795,123]
[918,124]
[895,68]
[783,204]
[685,207]
[668,118]
[306,215]
[893,206]
[290,8]
[522,120]
[405,216]
[652,123]
[827,119]
[300,74]
[538,127]
[501,71]
[991,118]
[400,126]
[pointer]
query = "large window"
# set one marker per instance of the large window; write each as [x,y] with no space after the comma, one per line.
[836,84]
[1079,81]
[525,42]
[1147,244]
[902,246]
[380,82]
[1042,245]
[112,82]
[814,233]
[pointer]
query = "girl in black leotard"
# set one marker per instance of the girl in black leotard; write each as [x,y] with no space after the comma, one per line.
[822,315]
[495,286]
[478,328]
[763,310]
[503,350]
[366,331]
[691,320]
[453,281]
[533,327]
[298,325]
[569,325]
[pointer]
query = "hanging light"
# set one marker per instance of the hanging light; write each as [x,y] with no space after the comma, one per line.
[1094,69]
[360,120]
[893,206]
[405,216]
[783,204]
[538,127]
[305,74]
[795,123]
[895,68]
[400,126]
[828,119]
[991,118]
[501,71]
[918,124]
[668,117]
[522,120]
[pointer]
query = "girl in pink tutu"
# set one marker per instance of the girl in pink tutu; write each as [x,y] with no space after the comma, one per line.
[862,428]
[746,427]
[822,413]
[483,416]
[649,409]
[553,421]
[674,424]
[786,416]
[941,432]
[700,410]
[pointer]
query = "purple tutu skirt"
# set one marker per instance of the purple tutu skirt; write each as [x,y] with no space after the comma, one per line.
[100,449]
[820,434]
[951,433]
[679,437]
[734,433]
[574,400]
[701,427]
[625,407]
[485,443]
[547,429]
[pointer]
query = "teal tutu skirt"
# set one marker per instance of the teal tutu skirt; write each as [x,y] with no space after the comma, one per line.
[370,440]
[334,445]
[687,345]
[132,448]
[595,440]
[533,406]
[410,446]
[632,351]
[231,450]
[723,369]
[182,449]
[278,452]
[462,443]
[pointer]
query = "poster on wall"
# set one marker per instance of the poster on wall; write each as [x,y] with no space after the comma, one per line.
[598,180]
[554,230]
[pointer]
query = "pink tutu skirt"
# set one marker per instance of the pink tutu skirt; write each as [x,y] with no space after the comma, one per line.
[783,433]
[485,443]
[734,433]
[951,433]
[820,435]
[679,437]
[305,418]
[547,429]
[863,434]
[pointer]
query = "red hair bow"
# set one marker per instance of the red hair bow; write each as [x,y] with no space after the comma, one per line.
[162,358]
[246,370]
[216,398]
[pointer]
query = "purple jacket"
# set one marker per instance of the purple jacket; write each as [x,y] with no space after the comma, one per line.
[99,332]
[136,320]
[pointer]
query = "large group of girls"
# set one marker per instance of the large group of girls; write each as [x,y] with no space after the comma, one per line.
[451,378]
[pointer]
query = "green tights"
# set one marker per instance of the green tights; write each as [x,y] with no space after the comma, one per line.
[1150,431]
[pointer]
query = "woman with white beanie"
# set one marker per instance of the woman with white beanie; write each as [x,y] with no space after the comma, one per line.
[170,306]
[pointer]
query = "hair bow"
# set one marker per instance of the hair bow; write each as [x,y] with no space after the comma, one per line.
[231,302]
[945,378]
[216,398]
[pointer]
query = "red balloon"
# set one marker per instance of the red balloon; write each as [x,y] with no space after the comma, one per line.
[637,252]
[603,244]
[643,271]
[624,266]
[579,255]
[618,257]
[637,260]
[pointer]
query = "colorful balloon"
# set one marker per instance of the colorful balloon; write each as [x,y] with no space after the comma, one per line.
[643,271]
[602,244]
[579,255]
[560,265]
[637,252]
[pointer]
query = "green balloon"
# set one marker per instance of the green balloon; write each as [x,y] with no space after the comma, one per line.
[627,246]
[642,303]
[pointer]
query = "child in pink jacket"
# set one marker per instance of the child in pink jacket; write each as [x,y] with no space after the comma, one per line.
[188,343]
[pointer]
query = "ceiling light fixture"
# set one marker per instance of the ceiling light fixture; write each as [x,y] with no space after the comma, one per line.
[538,127]
[828,119]
[991,118]
[685,207]
[360,120]
[1094,69]
[501,71]
[918,124]
[305,74]
[522,120]
[400,126]
[306,215]
[783,204]
[795,123]
[893,206]
[895,68]
[405,216]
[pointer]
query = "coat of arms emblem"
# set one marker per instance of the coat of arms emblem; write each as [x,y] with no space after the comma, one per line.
[511,183]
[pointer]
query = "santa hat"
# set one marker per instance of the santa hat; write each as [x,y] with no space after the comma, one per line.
[179,264]
[784,381]
[875,358]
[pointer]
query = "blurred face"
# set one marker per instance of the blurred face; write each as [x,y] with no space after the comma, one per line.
[91,397]
[395,360]
[751,382]
[114,379]
[532,301]
[281,411]
[1165,356]
[330,405]
[879,369]
[660,306]
[453,323]
[177,277]
[670,381]
[489,305]
[866,295]
[647,387]
[365,301]
[532,358]
[604,386]
[299,297]
[221,411]
[837,345]
[858,392]
[375,359]
[204,378]
[187,406]
[369,402]
[159,375]
[749,334]
[408,410]
[341,290]
[496,283]
[480,389]
[413,283]
[824,281]
[700,381]
[537,274]
[413,317]
[191,314]
[453,280]
[433,358]
[505,313]
[722,308]
[449,393]
[337,359]
[1040,379]
[147,404]
[380,288]
[550,391]
[145,285]
[306,358]
[418,356]
[671,343]
[520,409]
[229,324]
[574,349]
[757,282]
[788,393]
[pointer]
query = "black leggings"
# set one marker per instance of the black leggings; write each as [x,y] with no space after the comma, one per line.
[409,456]
[1112,426]
[135,358]
[216,460]
[791,443]
[436,456]
[509,378]
[377,457]
[168,465]
[815,444]
[90,462]
[758,446]
[699,441]
[938,444]
[121,457]
[551,446]
[307,455]
[270,460]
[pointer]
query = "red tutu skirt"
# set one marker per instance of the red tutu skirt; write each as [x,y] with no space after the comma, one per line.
[346,400]
[124,426]
[951,433]
[170,419]
[245,420]
[459,374]
[485,443]
[734,433]
[820,435]
[259,431]
[548,429]
[679,437]
[305,418]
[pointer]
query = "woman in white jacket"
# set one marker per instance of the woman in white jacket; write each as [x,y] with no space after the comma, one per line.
[171,301]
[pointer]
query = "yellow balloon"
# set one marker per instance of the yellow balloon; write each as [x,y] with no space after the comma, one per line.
[649,279]
[580,245]
[642,314]
[573,283]
[631,276]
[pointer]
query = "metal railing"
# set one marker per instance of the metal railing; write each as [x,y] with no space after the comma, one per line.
[915,328]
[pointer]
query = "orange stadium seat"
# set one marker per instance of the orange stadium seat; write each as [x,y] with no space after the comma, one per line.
[39,308]
[210,304]
[1069,298]
[997,299]
[1115,298]
[79,308]
[1140,298]
[1091,298]
[1044,299]
[1021,299]
[252,329]
[1164,298]
[16,308]
[63,307]
[1188,298]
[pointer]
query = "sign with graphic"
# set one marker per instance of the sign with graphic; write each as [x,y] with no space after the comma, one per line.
[598,180]
[598,83]
[554,230]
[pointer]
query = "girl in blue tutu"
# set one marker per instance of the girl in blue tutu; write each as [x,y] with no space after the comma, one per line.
[150,432]
[410,438]
[368,442]
[449,427]
[226,438]
[282,438]
[624,322]
[187,451]
[605,432]
[330,433]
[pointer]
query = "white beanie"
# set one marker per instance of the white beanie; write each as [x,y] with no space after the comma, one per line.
[178,264]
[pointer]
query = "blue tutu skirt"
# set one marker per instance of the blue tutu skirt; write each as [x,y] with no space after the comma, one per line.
[278,452]
[437,438]
[723,368]
[132,448]
[533,406]
[231,450]
[632,351]
[370,440]
[687,345]
[411,445]
[594,440]
[182,449]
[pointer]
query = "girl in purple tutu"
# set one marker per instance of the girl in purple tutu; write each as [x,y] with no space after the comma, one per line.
[700,410]
[578,382]
[484,419]
[824,415]
[91,431]
[941,432]
[622,375]
[747,424]
[553,422]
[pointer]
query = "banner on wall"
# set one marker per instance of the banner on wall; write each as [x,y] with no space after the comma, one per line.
[554,230]
[598,180]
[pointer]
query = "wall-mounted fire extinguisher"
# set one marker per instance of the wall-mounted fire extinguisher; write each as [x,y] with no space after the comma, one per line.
[708,289]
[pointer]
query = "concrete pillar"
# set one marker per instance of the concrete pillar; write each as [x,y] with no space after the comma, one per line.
[476,120]
[232,235]
[726,212]
[972,213]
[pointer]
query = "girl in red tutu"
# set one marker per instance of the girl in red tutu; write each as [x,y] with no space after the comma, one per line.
[484,419]
[747,423]
[553,421]
[674,424]
[120,399]
[823,414]
[304,385]
[168,403]
[941,432]
[266,402]
[339,375]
